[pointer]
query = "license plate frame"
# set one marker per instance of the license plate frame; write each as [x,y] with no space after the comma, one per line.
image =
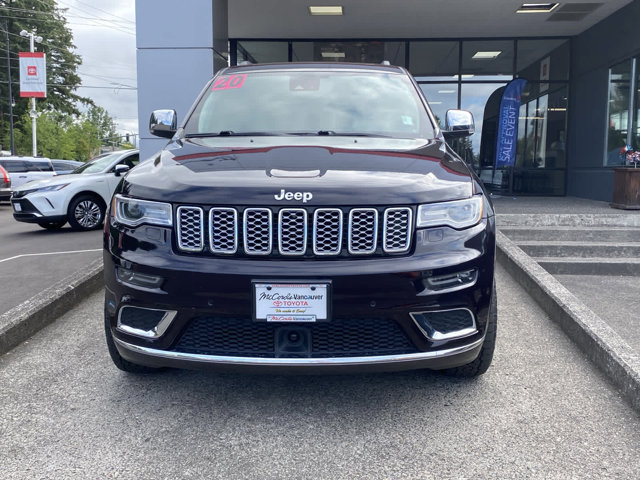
[315,311]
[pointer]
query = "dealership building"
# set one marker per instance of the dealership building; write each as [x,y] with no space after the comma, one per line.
[579,108]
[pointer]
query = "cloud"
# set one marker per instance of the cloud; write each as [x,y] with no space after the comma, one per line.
[107,46]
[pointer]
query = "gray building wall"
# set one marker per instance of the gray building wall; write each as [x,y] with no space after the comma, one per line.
[176,55]
[594,52]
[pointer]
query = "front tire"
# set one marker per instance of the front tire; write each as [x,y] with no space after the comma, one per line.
[481,364]
[121,363]
[86,212]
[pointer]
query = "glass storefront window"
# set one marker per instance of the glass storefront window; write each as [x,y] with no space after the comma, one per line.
[541,150]
[546,59]
[437,60]
[372,51]
[262,52]
[441,97]
[483,101]
[487,60]
[618,121]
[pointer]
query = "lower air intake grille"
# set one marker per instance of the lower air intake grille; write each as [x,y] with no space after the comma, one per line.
[337,338]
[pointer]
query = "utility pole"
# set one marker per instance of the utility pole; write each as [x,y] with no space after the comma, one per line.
[12,145]
[33,112]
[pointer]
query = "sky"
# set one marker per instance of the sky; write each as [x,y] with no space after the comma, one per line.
[104,34]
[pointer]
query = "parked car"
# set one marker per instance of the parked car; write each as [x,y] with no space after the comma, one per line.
[79,198]
[27,169]
[63,167]
[5,184]
[303,217]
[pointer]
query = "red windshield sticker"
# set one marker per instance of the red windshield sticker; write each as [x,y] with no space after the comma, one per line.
[226,82]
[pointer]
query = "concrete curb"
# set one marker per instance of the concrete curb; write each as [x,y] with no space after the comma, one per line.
[22,321]
[602,345]
[581,220]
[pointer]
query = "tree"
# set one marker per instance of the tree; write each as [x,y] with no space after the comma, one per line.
[63,135]
[103,123]
[47,19]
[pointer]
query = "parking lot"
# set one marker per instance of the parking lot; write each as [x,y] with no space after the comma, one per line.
[541,411]
[32,258]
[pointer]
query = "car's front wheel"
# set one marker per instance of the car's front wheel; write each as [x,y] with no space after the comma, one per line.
[121,363]
[86,212]
[481,364]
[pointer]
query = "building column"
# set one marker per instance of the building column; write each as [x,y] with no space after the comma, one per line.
[179,48]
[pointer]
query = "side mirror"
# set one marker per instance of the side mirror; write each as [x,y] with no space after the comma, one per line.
[120,169]
[163,123]
[458,123]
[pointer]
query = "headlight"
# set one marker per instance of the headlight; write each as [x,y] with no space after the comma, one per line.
[52,188]
[133,212]
[457,214]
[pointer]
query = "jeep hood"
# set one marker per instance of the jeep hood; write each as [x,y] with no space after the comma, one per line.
[194,172]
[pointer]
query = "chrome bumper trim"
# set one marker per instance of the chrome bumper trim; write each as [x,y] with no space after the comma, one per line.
[293,362]
[155,332]
[435,335]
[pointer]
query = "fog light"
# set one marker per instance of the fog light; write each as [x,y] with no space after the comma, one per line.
[144,322]
[136,279]
[450,282]
[445,324]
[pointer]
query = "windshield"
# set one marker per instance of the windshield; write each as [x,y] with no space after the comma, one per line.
[99,164]
[311,103]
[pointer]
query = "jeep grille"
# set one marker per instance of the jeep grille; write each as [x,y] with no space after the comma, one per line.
[295,231]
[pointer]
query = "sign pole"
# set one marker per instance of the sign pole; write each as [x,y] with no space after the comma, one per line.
[33,80]
[33,112]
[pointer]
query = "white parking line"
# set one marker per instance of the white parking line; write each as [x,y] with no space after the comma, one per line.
[48,253]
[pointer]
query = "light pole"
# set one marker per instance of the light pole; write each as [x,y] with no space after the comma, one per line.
[12,146]
[33,114]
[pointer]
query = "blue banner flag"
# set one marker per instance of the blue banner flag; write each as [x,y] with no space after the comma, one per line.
[508,123]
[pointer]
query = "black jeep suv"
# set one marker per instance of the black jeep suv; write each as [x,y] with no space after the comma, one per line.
[305,217]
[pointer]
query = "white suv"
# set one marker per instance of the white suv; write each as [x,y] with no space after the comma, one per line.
[27,169]
[79,198]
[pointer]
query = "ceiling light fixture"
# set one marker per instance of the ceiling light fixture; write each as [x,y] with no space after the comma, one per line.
[332,54]
[486,55]
[537,7]
[447,91]
[326,10]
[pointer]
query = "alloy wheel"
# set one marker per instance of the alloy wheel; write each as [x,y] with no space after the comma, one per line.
[87,214]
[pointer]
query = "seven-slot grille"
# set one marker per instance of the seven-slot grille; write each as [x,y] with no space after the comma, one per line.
[252,231]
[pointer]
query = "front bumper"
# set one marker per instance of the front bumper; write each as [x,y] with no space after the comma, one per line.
[39,207]
[376,291]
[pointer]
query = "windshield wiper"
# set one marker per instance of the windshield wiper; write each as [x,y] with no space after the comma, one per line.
[333,133]
[319,133]
[231,133]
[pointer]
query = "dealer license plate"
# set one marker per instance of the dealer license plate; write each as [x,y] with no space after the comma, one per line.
[17,207]
[291,302]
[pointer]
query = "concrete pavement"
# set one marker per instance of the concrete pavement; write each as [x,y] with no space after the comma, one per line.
[32,258]
[541,411]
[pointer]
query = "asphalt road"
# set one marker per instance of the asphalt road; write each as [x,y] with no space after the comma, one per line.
[32,258]
[541,412]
